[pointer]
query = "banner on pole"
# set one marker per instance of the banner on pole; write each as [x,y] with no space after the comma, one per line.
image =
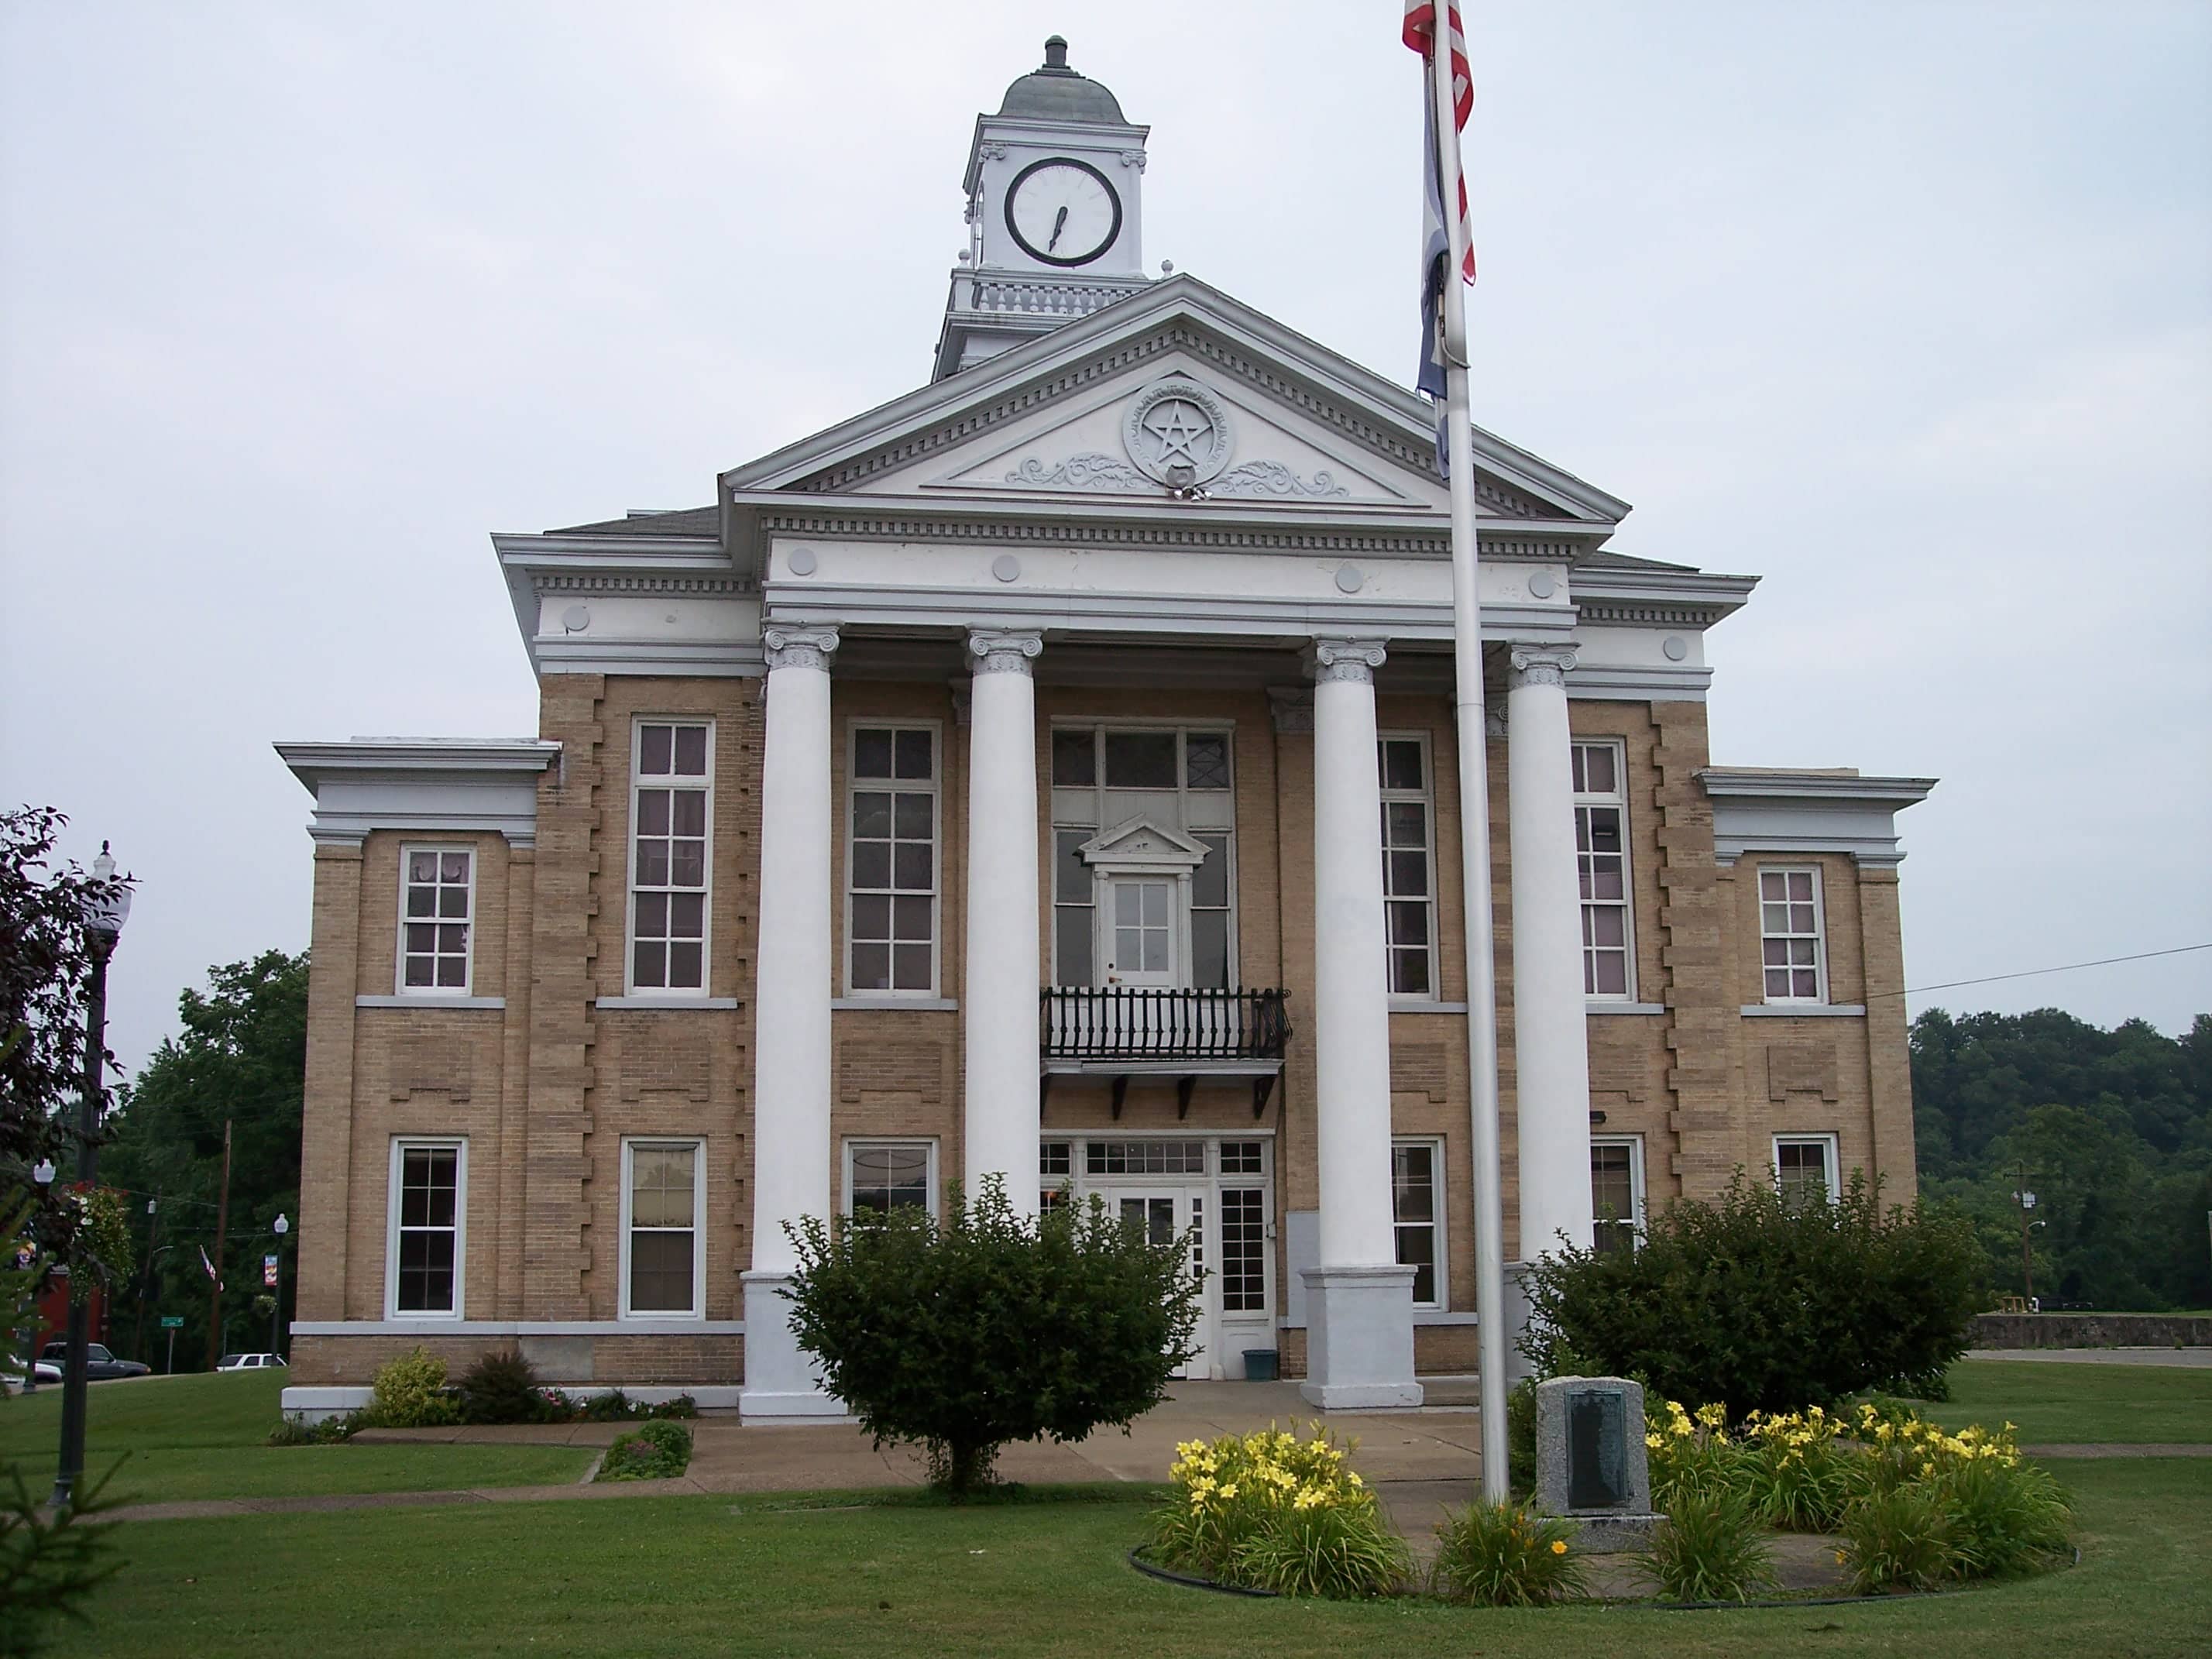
[269,1271]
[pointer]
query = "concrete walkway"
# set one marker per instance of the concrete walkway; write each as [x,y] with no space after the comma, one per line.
[2188,1359]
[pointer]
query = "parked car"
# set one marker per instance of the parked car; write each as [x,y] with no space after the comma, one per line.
[249,1362]
[11,1372]
[100,1366]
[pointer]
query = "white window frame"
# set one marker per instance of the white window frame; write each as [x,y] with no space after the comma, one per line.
[862,1143]
[706,785]
[401,1145]
[697,1146]
[935,785]
[1618,797]
[1830,1153]
[1636,1202]
[1439,1187]
[1820,934]
[1425,797]
[1094,824]
[399,985]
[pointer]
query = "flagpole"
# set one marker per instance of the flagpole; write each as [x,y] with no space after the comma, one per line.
[1474,793]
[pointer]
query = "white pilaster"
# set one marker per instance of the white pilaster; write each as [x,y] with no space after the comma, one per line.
[791,1007]
[999,1005]
[1550,1054]
[1360,1333]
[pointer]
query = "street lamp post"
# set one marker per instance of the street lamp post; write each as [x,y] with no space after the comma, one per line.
[104,914]
[276,1288]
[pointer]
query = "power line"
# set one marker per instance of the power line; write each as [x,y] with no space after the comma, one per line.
[2030,973]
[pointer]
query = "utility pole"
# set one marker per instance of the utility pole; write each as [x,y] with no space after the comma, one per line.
[146,1279]
[2025,1201]
[222,1225]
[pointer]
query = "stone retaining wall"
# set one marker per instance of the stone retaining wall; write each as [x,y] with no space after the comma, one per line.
[2062,1330]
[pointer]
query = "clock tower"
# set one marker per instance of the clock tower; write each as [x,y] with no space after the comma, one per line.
[1055,188]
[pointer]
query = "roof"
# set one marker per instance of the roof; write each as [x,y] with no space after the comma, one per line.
[685,521]
[1056,93]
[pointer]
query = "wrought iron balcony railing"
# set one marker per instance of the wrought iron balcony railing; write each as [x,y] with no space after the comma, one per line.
[1123,1022]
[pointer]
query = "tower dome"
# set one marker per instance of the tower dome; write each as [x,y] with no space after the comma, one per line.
[1057,93]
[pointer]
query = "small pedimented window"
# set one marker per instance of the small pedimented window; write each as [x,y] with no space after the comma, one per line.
[1141,845]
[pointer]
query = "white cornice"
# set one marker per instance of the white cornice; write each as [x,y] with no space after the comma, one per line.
[1805,812]
[429,785]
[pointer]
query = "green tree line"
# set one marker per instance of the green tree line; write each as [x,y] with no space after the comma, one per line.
[2111,1130]
[240,1057]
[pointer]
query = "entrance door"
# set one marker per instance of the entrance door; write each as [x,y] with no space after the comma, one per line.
[1140,936]
[1163,1215]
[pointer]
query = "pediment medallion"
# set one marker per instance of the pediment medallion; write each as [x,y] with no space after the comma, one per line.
[1178,434]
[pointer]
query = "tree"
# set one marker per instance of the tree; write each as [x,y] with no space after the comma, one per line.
[45,974]
[987,1328]
[241,1058]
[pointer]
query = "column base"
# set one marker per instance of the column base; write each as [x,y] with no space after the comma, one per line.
[1359,1339]
[1517,1367]
[782,1381]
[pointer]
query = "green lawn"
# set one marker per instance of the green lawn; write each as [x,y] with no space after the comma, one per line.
[204,1437]
[706,1575]
[2056,1403]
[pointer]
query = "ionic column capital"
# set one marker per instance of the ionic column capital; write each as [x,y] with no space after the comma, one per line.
[788,646]
[1541,665]
[1345,660]
[996,653]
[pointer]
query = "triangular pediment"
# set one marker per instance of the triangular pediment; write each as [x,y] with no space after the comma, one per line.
[1179,393]
[1141,844]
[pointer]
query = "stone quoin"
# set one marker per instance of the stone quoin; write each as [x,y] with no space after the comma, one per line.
[1050,775]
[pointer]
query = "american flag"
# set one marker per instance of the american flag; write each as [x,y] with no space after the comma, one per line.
[1420,34]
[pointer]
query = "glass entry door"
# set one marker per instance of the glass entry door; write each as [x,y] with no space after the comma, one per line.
[1164,1214]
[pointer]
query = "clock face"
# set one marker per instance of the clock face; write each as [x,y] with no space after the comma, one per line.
[1063,212]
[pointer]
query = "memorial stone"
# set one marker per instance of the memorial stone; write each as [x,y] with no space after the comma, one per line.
[1590,1463]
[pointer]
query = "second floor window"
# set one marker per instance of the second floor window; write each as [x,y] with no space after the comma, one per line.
[1789,935]
[891,925]
[1601,858]
[437,897]
[671,791]
[1409,871]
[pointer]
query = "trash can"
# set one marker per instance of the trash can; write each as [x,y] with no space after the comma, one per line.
[1260,1365]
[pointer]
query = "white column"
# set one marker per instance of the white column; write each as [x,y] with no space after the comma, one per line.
[792,986]
[1359,1303]
[999,1005]
[1550,1054]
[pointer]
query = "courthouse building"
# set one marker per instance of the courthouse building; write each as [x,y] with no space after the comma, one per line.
[1051,774]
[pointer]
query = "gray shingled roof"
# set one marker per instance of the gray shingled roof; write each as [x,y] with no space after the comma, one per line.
[690,521]
[1057,93]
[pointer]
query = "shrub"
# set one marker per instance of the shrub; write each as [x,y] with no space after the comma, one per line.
[502,1386]
[1521,1436]
[1710,1548]
[988,1328]
[682,1405]
[410,1393]
[2006,1517]
[1268,1510]
[612,1407]
[1901,1538]
[1765,1304]
[656,1451]
[1504,1556]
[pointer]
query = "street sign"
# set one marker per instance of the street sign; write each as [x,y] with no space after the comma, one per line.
[173,1321]
[269,1271]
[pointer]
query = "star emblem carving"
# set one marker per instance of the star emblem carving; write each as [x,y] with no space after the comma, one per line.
[1177,427]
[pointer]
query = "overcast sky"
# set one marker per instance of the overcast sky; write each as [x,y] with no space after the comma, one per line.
[1907,309]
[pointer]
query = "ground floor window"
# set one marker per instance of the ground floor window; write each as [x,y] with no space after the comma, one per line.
[1804,1168]
[428,1227]
[1616,1191]
[661,1236]
[1415,1168]
[884,1175]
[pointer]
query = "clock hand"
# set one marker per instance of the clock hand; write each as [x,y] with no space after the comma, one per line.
[1059,224]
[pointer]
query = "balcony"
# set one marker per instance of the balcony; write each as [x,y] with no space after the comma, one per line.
[1122,1031]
